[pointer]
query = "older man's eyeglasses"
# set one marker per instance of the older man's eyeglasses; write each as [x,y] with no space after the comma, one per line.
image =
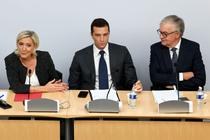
[164,34]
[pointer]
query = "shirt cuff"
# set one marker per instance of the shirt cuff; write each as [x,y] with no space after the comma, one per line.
[181,78]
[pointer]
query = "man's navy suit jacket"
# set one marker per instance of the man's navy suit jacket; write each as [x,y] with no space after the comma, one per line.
[82,70]
[189,59]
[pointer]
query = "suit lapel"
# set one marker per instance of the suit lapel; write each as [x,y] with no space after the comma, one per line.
[112,57]
[167,57]
[181,54]
[91,63]
[23,72]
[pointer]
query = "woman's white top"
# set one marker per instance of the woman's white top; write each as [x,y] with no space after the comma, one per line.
[33,79]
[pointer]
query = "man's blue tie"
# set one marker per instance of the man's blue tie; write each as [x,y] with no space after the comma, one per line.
[103,74]
[174,59]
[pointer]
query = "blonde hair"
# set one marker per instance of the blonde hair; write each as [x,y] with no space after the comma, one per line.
[26,34]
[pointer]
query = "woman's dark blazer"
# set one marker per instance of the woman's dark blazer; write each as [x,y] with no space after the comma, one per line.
[16,72]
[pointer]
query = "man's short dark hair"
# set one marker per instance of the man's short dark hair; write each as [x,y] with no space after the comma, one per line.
[99,22]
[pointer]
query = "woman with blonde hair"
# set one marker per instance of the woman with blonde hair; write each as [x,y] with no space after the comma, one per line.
[30,70]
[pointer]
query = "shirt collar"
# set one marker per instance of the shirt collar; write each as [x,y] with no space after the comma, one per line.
[177,45]
[96,50]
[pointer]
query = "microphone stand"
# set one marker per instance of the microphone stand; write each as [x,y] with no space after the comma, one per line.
[113,84]
[179,105]
[103,105]
[177,86]
[177,83]
[29,81]
[107,95]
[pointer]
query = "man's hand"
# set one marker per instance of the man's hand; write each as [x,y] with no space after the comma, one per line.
[188,75]
[137,87]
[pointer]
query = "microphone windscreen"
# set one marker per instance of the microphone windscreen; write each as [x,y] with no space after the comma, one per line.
[29,71]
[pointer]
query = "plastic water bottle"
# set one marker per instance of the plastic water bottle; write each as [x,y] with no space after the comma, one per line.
[132,99]
[200,97]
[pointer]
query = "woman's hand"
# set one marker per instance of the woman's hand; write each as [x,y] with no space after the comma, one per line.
[56,85]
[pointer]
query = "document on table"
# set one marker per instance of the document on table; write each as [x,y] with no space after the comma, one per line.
[101,94]
[3,95]
[22,97]
[164,95]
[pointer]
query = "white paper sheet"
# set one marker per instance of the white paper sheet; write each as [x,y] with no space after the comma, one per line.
[164,95]
[101,94]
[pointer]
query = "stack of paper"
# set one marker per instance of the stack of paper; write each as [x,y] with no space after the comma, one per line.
[102,94]
[164,95]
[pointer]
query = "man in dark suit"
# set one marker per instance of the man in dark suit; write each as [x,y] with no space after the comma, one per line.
[103,63]
[175,59]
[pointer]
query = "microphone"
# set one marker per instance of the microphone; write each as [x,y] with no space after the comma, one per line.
[177,84]
[29,75]
[29,81]
[177,80]
[109,90]
[112,85]
[104,104]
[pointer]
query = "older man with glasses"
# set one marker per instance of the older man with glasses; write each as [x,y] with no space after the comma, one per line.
[175,61]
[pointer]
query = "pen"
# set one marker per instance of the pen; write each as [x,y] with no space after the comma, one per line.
[2,96]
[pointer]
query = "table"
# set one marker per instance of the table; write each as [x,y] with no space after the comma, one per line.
[34,125]
[143,122]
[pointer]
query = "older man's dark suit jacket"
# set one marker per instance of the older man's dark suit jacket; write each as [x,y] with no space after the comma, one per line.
[189,59]
[82,70]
